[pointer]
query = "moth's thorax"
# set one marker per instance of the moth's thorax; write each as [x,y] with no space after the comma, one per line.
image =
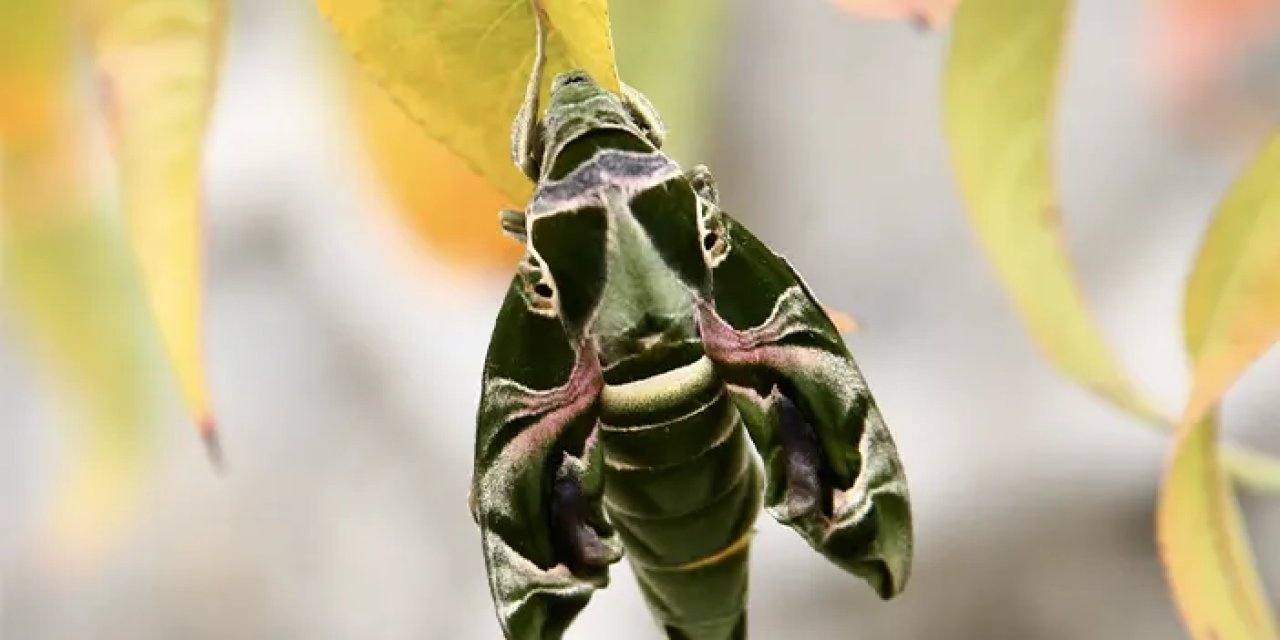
[644,304]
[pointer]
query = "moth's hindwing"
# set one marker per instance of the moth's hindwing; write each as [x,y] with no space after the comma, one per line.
[536,485]
[833,471]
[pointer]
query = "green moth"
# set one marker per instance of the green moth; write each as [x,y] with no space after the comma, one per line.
[648,349]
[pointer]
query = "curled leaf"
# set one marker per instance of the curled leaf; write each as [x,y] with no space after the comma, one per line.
[460,68]
[1231,317]
[1203,545]
[157,65]
[1232,308]
[1001,82]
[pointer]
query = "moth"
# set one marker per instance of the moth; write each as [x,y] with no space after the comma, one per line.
[656,372]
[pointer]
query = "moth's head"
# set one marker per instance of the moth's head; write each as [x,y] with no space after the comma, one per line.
[580,106]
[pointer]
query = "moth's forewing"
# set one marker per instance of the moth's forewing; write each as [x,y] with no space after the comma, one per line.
[537,410]
[833,472]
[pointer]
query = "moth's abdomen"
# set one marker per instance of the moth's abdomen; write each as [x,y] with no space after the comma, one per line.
[682,488]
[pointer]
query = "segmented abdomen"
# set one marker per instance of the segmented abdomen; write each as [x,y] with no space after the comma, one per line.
[683,489]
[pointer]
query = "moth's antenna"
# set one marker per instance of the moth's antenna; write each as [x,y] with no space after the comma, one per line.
[526,136]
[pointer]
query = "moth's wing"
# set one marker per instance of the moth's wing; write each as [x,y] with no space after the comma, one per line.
[535,490]
[833,471]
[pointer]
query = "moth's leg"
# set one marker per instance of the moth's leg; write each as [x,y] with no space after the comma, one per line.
[526,132]
[703,183]
[645,115]
[514,224]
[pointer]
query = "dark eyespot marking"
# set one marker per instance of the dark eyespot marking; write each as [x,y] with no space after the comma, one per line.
[542,289]
[709,241]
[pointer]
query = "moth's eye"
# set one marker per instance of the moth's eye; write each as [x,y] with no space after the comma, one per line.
[538,288]
[715,241]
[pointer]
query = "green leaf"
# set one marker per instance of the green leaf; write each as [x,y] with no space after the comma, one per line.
[460,68]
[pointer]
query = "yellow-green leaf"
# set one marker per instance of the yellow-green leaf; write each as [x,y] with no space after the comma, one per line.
[460,68]
[1232,316]
[66,286]
[1232,310]
[157,62]
[67,283]
[1203,545]
[1001,82]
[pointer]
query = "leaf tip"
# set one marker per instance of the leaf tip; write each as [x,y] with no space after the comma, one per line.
[212,444]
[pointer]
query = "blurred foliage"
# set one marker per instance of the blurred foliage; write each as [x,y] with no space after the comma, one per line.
[157,63]
[69,282]
[1000,91]
[459,69]
[450,76]
[449,209]
[1232,317]
[1001,83]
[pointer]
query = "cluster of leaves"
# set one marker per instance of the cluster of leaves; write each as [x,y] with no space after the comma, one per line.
[999,96]
[446,78]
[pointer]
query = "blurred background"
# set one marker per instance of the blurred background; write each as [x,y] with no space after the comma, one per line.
[345,346]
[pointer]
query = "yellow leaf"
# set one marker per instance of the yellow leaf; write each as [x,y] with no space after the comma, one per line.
[34,49]
[460,68]
[1232,310]
[928,12]
[1202,543]
[1000,86]
[66,284]
[1232,316]
[671,50]
[157,62]
[451,210]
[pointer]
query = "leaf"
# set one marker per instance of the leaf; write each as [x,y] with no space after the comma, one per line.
[452,211]
[66,285]
[1231,316]
[35,48]
[157,66]
[67,282]
[1202,543]
[1232,310]
[1001,82]
[671,51]
[460,68]
[928,12]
